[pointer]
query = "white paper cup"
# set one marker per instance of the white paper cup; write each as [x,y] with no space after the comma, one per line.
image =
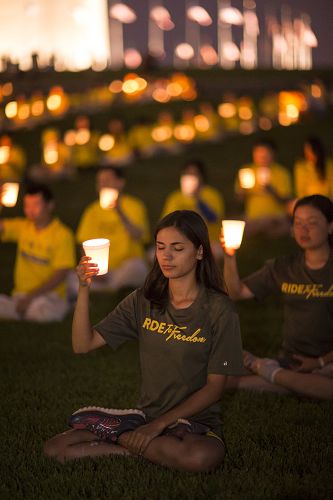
[107,197]
[9,193]
[247,178]
[98,250]
[233,233]
[189,184]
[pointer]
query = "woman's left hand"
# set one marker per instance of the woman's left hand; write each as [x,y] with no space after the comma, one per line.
[137,441]
[306,364]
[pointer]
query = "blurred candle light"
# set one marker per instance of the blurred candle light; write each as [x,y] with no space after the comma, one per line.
[231,15]
[108,197]
[9,193]
[184,133]
[246,178]
[184,51]
[233,233]
[199,15]
[51,154]
[132,58]
[11,109]
[98,250]
[106,142]
[161,133]
[209,55]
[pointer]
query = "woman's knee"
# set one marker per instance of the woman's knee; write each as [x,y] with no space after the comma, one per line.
[203,460]
[202,455]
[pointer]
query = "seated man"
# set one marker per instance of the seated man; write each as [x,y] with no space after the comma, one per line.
[45,254]
[124,222]
[266,189]
[195,194]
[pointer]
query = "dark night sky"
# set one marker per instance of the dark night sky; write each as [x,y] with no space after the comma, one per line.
[321,12]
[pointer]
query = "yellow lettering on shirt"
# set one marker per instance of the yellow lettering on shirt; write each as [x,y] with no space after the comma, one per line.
[172,332]
[307,290]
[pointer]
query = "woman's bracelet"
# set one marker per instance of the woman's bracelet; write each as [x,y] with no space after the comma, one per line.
[321,362]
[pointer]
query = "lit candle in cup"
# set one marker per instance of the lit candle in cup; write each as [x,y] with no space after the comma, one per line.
[108,197]
[233,233]
[9,193]
[189,184]
[98,250]
[247,178]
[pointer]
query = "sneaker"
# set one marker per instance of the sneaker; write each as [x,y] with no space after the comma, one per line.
[106,423]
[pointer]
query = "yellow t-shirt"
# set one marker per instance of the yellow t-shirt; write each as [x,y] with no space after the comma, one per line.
[85,155]
[210,196]
[14,168]
[97,222]
[39,253]
[307,181]
[259,202]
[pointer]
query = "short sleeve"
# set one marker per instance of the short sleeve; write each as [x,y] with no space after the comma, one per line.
[263,282]
[226,356]
[12,228]
[120,325]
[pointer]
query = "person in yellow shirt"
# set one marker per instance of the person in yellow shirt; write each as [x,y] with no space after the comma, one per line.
[84,152]
[195,194]
[141,140]
[45,255]
[121,153]
[124,222]
[12,160]
[313,174]
[266,190]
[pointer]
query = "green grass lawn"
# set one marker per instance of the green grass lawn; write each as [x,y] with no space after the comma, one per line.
[280,446]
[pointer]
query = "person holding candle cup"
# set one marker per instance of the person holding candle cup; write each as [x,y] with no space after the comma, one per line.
[195,194]
[305,282]
[44,258]
[265,187]
[189,341]
[124,222]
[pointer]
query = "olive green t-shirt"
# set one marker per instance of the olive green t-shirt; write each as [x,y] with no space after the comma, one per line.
[308,302]
[178,347]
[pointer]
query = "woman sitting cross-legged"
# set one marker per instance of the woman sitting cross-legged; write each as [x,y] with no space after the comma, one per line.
[305,281]
[189,342]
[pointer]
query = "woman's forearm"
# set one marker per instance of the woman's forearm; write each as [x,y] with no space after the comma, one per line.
[82,333]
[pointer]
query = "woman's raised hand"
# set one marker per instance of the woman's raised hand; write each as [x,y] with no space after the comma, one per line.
[227,251]
[85,270]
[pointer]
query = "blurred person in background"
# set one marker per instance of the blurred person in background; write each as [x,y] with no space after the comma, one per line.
[195,194]
[125,223]
[141,140]
[313,174]
[45,256]
[305,283]
[83,144]
[55,161]
[121,152]
[12,160]
[267,197]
